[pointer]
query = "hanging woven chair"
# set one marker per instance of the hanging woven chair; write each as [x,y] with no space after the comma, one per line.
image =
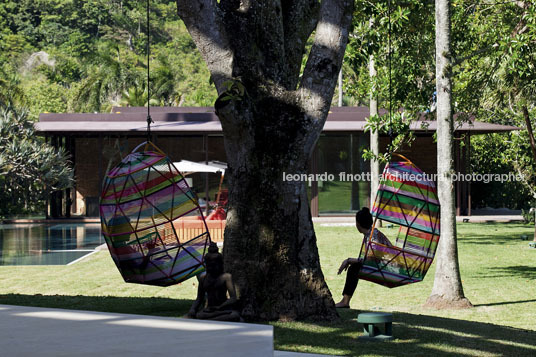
[144,206]
[406,198]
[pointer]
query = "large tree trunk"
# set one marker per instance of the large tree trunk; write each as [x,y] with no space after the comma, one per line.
[270,244]
[271,119]
[447,291]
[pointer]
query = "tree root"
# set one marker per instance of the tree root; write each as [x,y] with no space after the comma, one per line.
[439,302]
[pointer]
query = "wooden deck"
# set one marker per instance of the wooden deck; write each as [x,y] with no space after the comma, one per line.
[190,227]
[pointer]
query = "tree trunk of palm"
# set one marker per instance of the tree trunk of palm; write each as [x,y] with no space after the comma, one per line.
[271,116]
[447,291]
[374,136]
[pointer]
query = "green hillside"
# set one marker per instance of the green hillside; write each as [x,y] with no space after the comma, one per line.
[87,56]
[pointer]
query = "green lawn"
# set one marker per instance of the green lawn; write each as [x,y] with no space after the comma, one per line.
[498,273]
[335,196]
[499,277]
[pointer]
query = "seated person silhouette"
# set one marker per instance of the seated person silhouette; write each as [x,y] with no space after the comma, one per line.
[215,285]
[363,223]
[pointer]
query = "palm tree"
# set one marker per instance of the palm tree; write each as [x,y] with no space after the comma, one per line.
[164,84]
[448,289]
[106,80]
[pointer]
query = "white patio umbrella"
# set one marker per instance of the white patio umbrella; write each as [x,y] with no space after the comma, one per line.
[186,166]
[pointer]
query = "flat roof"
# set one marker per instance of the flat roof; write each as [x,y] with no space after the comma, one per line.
[189,120]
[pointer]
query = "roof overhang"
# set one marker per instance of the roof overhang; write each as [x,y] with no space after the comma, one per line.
[202,120]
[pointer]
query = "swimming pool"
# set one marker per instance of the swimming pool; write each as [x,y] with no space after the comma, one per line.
[47,244]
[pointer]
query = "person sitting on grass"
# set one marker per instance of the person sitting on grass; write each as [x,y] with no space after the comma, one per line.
[215,284]
[363,223]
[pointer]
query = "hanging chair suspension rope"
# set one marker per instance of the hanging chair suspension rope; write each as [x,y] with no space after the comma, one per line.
[379,194]
[390,79]
[164,254]
[149,119]
[416,262]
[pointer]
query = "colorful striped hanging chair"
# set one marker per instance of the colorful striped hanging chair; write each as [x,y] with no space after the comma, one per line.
[143,204]
[408,199]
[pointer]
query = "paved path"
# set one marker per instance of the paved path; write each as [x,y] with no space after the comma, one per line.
[350,221]
[490,218]
[34,331]
[331,220]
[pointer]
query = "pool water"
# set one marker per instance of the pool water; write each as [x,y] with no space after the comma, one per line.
[47,244]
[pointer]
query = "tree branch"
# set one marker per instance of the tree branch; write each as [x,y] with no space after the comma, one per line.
[269,38]
[256,38]
[522,4]
[519,29]
[521,26]
[458,60]
[529,130]
[203,19]
[300,18]
[325,60]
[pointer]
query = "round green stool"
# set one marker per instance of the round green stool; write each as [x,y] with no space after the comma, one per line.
[374,323]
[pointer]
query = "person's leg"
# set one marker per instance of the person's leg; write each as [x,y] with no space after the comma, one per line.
[230,315]
[223,315]
[350,285]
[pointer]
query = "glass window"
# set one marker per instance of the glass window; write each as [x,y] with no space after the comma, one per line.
[345,187]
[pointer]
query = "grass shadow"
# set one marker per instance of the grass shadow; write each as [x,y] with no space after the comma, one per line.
[519,271]
[488,240]
[493,233]
[415,335]
[126,305]
[506,303]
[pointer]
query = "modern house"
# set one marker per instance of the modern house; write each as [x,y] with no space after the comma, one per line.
[97,141]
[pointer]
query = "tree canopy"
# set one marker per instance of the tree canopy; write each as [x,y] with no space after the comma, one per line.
[81,56]
[30,169]
[493,49]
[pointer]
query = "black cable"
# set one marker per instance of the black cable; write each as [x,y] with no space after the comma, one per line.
[390,79]
[149,119]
